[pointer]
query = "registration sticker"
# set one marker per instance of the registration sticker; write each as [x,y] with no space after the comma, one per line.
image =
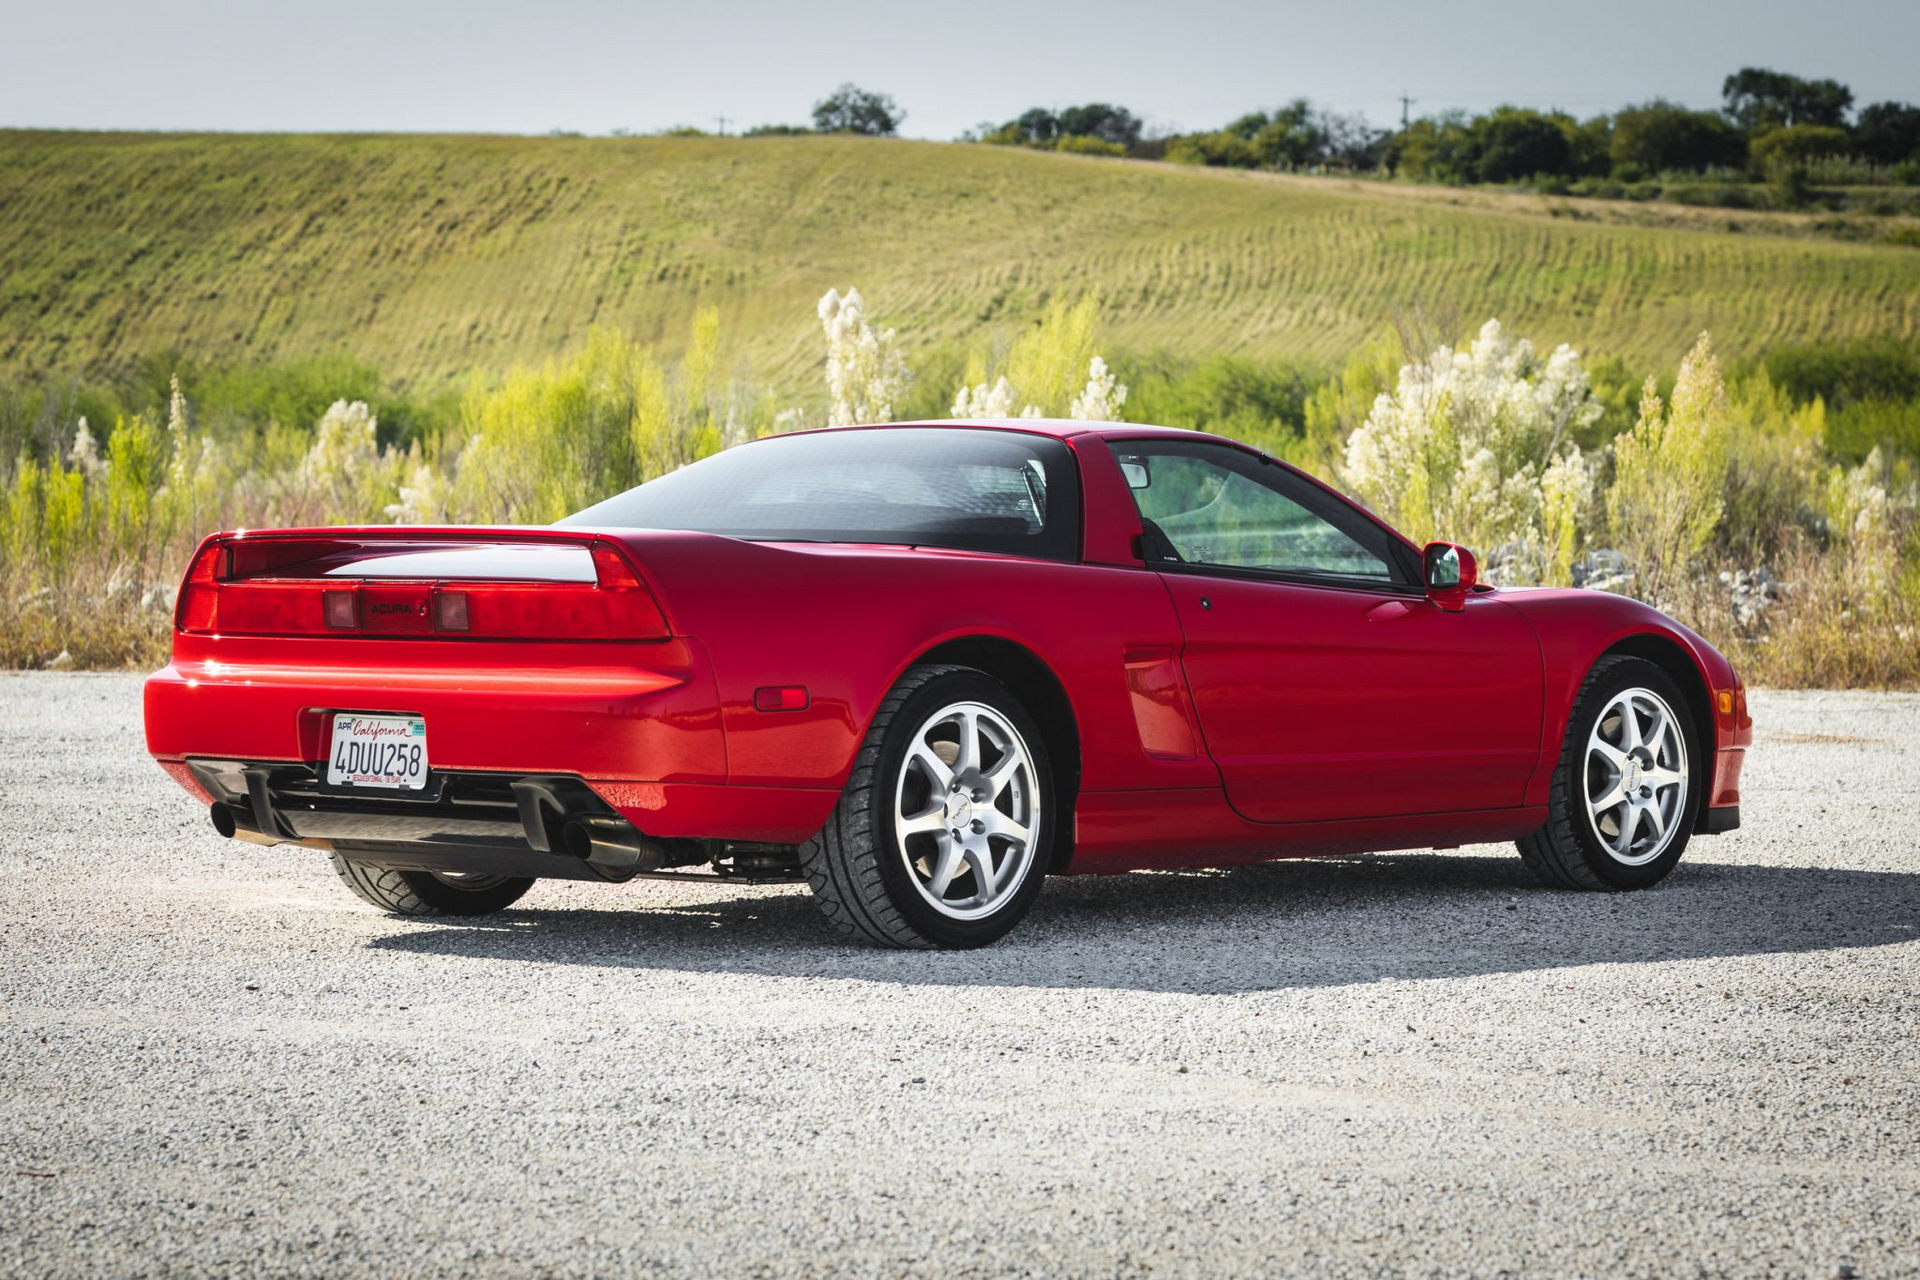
[387,752]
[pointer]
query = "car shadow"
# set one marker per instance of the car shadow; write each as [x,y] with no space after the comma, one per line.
[1271,926]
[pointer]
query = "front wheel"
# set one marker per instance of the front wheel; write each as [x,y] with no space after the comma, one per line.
[1624,793]
[427,893]
[940,838]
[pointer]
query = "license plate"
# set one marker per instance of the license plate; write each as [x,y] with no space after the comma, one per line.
[386,752]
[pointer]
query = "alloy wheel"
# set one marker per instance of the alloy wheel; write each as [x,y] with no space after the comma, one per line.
[967,810]
[1636,776]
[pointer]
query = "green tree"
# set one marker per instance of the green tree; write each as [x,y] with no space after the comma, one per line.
[1435,148]
[851,109]
[1103,121]
[1039,127]
[1291,138]
[1757,99]
[1662,135]
[1888,132]
[1592,145]
[1796,144]
[1513,142]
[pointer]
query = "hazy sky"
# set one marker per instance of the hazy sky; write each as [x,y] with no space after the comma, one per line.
[596,65]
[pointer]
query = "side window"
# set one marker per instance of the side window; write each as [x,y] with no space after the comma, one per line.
[1210,505]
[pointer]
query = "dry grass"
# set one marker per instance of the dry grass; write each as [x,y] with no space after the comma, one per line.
[1827,631]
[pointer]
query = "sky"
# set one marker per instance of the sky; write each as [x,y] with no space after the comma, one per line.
[594,66]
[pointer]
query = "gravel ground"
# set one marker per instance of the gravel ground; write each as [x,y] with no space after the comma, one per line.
[214,1059]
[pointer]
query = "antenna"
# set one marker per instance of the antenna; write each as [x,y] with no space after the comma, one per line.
[723,122]
[1405,104]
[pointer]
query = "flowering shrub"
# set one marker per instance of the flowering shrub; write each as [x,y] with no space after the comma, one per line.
[1103,396]
[866,374]
[345,469]
[1474,446]
[983,401]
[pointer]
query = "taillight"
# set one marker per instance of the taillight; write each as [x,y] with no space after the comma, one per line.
[198,608]
[631,609]
[615,606]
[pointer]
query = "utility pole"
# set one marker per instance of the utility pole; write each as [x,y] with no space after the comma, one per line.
[723,122]
[1405,104]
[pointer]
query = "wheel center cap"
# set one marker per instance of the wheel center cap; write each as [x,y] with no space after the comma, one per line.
[1631,780]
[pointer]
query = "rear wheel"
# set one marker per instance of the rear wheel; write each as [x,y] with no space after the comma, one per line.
[940,838]
[430,893]
[1624,792]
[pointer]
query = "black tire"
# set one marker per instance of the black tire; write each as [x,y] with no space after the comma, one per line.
[1570,851]
[861,877]
[422,893]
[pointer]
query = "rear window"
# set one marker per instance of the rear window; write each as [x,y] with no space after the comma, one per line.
[960,487]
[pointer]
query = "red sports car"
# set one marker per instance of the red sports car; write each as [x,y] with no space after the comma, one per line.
[920,667]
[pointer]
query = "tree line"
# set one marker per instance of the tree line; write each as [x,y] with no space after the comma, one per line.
[1768,122]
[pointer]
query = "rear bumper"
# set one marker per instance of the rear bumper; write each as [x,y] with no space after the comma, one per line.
[600,711]
[636,727]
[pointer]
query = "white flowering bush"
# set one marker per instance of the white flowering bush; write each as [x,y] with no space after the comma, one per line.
[425,495]
[866,373]
[345,443]
[1102,397]
[1476,446]
[345,471]
[1860,525]
[984,401]
[84,456]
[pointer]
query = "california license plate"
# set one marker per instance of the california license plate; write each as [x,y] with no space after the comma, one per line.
[388,752]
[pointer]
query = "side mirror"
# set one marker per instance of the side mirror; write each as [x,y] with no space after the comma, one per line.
[1451,572]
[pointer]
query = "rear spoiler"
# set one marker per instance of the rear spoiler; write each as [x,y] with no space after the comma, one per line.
[413,581]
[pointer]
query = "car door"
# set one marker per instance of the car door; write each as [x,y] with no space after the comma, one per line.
[1326,685]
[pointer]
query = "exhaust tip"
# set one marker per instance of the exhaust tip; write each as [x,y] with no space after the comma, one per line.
[223,820]
[577,839]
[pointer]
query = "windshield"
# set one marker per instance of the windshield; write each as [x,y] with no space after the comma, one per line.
[969,488]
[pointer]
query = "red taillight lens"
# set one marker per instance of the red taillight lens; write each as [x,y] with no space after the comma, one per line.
[632,612]
[198,608]
[611,568]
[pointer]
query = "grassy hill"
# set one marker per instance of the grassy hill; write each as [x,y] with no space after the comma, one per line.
[430,256]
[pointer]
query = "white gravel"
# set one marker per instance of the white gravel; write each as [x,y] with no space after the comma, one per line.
[213,1059]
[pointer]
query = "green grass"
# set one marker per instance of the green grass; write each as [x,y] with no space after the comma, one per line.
[430,257]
